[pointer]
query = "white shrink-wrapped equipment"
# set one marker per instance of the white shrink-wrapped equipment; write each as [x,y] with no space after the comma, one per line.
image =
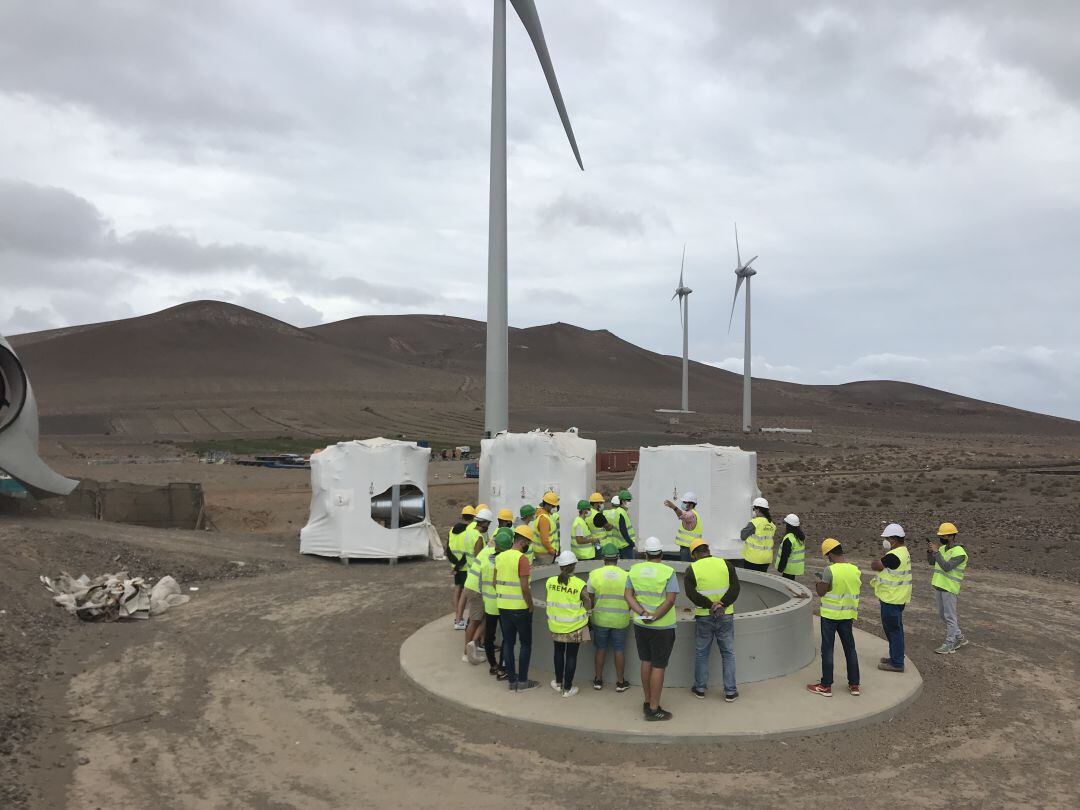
[518,468]
[724,479]
[369,500]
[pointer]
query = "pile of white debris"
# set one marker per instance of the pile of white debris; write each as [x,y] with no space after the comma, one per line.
[114,596]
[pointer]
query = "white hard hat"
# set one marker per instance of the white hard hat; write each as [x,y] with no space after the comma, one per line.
[792,520]
[653,545]
[893,530]
[689,497]
[484,514]
[761,503]
[615,500]
[566,558]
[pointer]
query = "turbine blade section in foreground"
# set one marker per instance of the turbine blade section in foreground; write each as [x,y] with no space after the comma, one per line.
[526,10]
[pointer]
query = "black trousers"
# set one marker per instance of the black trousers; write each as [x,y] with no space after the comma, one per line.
[491,624]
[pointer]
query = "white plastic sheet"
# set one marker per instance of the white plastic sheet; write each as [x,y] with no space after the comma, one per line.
[344,478]
[518,468]
[723,478]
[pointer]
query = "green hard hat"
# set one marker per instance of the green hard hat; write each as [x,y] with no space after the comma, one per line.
[609,550]
[583,505]
[504,538]
[528,510]
[624,495]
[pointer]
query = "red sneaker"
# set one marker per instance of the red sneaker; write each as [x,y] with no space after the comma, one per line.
[819,689]
[853,688]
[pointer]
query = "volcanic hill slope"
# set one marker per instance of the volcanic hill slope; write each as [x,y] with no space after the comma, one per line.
[208,369]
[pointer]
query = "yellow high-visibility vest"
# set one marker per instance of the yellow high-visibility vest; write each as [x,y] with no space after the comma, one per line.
[584,549]
[758,547]
[893,586]
[649,581]
[796,561]
[842,600]
[507,582]
[565,608]
[611,609]
[684,536]
[950,580]
[713,580]
[487,585]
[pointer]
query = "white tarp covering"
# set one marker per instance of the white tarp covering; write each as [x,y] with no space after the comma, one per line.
[723,478]
[518,468]
[345,477]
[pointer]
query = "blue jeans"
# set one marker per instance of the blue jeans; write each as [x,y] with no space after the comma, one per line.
[604,638]
[829,629]
[892,622]
[684,553]
[721,628]
[627,553]
[515,624]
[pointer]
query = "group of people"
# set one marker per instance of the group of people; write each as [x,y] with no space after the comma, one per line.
[492,565]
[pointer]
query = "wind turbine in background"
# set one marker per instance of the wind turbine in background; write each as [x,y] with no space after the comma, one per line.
[682,292]
[743,272]
[496,407]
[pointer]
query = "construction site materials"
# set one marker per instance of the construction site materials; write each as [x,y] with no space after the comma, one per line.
[520,468]
[723,478]
[110,597]
[369,501]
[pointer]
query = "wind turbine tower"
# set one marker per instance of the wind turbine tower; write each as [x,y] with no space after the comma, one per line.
[682,292]
[743,272]
[496,407]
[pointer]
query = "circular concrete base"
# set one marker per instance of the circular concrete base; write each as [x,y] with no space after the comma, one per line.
[780,707]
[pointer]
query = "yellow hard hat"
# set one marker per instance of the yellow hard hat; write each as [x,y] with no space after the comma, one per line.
[946,529]
[829,544]
[596,497]
[480,506]
[506,514]
[697,544]
[469,511]
[550,498]
[524,531]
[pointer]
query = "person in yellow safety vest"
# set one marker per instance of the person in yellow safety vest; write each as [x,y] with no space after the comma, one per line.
[713,586]
[503,539]
[757,537]
[892,586]
[546,529]
[597,520]
[514,599]
[610,617]
[690,524]
[567,604]
[838,587]
[791,555]
[474,603]
[651,588]
[623,532]
[581,541]
[949,561]
[455,553]
[474,539]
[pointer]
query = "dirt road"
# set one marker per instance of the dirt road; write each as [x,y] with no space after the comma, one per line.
[283,690]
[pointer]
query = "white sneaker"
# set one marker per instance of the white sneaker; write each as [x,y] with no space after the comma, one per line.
[556,686]
[573,690]
[465,659]
[461,625]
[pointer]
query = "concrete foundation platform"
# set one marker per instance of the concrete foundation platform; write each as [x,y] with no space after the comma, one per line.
[779,707]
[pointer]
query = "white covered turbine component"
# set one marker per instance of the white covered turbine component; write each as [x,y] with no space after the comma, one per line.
[725,478]
[19,431]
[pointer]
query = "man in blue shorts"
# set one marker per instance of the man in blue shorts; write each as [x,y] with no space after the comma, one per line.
[610,616]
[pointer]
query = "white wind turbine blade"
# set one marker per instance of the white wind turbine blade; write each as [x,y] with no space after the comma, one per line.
[682,265]
[750,262]
[734,300]
[738,259]
[526,10]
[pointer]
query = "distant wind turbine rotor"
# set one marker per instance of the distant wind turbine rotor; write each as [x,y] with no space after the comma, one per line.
[496,399]
[682,292]
[743,272]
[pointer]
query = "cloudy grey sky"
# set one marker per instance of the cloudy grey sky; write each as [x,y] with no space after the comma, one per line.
[908,172]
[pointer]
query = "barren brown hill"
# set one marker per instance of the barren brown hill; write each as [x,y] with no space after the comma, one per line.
[212,369]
